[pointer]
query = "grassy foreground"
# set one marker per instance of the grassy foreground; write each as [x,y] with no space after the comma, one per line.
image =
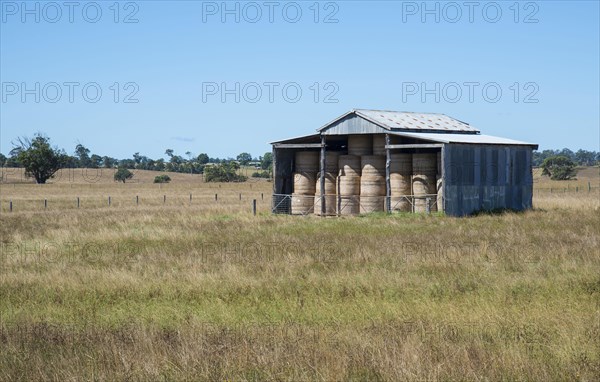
[180,292]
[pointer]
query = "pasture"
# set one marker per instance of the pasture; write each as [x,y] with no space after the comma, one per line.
[173,289]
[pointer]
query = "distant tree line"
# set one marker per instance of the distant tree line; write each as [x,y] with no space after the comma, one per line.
[579,158]
[37,153]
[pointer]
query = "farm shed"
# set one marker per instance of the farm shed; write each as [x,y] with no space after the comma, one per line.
[373,160]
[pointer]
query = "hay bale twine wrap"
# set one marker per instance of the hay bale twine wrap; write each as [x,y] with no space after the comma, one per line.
[304,183]
[360,144]
[306,161]
[302,204]
[330,196]
[372,165]
[379,144]
[349,165]
[372,194]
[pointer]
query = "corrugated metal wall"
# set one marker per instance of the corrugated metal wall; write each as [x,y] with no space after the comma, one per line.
[486,177]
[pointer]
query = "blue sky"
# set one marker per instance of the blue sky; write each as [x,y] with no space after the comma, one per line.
[171,68]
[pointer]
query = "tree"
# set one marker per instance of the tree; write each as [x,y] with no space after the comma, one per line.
[266,161]
[559,168]
[83,154]
[224,172]
[122,174]
[244,158]
[39,159]
[202,158]
[162,179]
[2,159]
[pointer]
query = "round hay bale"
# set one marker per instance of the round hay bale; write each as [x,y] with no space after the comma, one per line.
[330,184]
[372,165]
[401,163]
[330,205]
[349,185]
[379,144]
[304,183]
[349,205]
[372,186]
[370,204]
[424,163]
[306,161]
[302,204]
[424,186]
[331,161]
[360,144]
[401,203]
[349,165]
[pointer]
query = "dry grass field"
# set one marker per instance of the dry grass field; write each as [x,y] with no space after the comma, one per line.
[204,290]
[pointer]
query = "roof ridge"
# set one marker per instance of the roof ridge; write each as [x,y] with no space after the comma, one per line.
[397,111]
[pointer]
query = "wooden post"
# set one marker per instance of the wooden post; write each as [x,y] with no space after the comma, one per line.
[388,186]
[10,206]
[427,206]
[109,200]
[137,200]
[589,186]
[322,178]
[262,196]
[164,199]
[45,203]
[216,197]
[240,196]
[78,202]
[190,198]
[254,207]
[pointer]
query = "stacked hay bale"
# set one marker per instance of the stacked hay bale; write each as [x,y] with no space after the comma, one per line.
[360,144]
[348,185]
[331,170]
[379,144]
[305,176]
[424,180]
[400,182]
[372,183]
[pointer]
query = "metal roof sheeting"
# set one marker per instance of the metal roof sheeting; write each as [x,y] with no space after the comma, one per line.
[462,138]
[401,120]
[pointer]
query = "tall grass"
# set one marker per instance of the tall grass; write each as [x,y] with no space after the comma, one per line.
[182,292]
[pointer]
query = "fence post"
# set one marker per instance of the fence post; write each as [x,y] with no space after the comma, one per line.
[137,200]
[216,197]
[190,198]
[164,199]
[240,196]
[576,188]
[589,186]
[78,202]
[10,206]
[262,196]
[254,207]
[109,200]
[45,203]
[427,206]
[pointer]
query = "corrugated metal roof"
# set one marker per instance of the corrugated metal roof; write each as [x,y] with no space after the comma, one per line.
[462,138]
[402,120]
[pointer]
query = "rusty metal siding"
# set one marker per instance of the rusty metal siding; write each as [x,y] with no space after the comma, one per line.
[485,177]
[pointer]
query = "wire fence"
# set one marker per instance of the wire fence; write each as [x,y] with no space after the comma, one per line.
[243,202]
[336,205]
